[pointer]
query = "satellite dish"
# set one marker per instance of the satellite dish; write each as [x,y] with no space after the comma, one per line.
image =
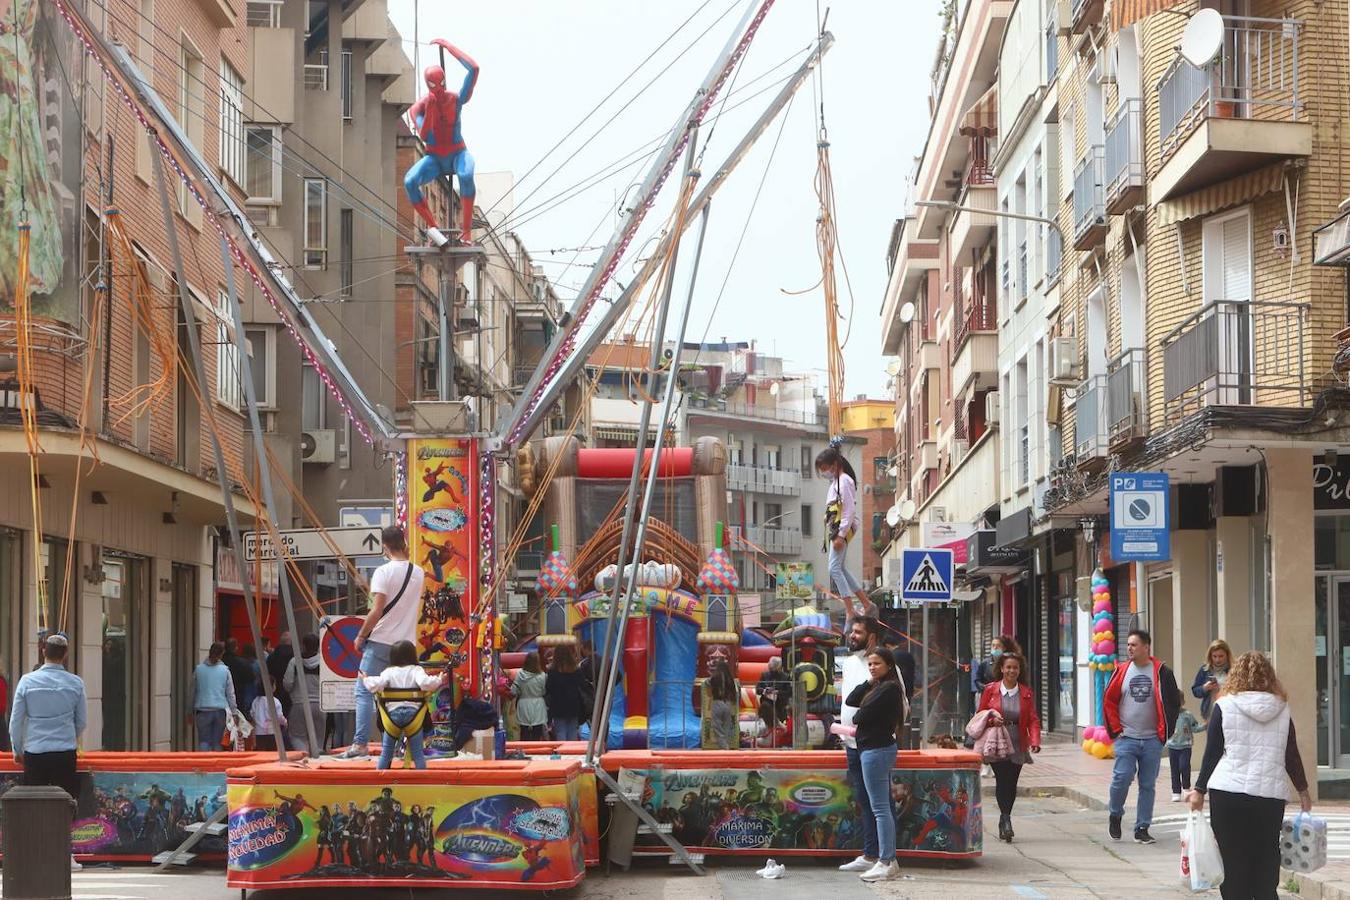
[1203,38]
[892,367]
[773,389]
[906,509]
[893,516]
[907,313]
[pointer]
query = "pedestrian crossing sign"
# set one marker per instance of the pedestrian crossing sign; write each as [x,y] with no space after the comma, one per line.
[925,574]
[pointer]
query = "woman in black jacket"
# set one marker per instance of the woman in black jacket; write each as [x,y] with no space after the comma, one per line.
[880,702]
[562,691]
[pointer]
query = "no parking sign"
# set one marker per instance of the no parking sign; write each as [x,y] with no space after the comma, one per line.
[339,662]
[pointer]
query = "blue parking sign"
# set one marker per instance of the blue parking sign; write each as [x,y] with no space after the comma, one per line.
[1140,517]
[925,574]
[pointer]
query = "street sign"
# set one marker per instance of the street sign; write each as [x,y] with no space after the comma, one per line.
[375,516]
[308,543]
[926,574]
[339,662]
[1140,518]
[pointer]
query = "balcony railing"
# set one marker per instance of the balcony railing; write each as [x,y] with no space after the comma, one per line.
[813,418]
[775,540]
[1090,414]
[763,480]
[1125,151]
[264,13]
[316,77]
[1236,353]
[979,173]
[1255,76]
[976,314]
[1126,382]
[1089,197]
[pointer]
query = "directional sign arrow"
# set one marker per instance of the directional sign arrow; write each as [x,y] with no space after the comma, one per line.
[371,543]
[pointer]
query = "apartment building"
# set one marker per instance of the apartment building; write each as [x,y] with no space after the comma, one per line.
[127,495]
[941,319]
[1194,332]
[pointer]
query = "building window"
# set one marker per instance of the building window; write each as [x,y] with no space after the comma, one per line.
[229,389]
[313,409]
[808,518]
[1023,421]
[316,223]
[262,170]
[773,515]
[262,364]
[772,458]
[265,13]
[348,86]
[232,123]
[346,240]
[808,461]
[191,112]
[734,453]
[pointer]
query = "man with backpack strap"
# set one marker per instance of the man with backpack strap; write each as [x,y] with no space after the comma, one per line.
[395,610]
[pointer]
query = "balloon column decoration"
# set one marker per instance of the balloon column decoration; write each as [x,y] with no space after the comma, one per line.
[1102,663]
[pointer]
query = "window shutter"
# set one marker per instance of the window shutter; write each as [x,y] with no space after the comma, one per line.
[1237,283]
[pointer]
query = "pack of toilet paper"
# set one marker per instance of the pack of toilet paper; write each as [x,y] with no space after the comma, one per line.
[1303,843]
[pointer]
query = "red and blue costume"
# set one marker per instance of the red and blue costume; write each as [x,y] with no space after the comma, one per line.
[437,118]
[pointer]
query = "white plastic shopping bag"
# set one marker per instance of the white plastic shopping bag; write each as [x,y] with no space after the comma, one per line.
[1201,864]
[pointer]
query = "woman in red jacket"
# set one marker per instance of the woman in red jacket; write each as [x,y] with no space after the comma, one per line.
[1013,706]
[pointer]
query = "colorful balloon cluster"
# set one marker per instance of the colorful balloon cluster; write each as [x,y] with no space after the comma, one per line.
[1101,661]
[1103,657]
[1097,742]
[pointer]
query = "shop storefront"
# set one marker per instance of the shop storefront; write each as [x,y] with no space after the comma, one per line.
[1331,501]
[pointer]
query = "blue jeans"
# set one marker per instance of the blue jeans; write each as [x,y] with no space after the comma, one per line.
[400,717]
[877,766]
[1145,755]
[845,585]
[210,729]
[566,730]
[864,809]
[374,660]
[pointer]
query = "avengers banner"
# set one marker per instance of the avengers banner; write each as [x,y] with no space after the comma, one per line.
[937,811]
[428,835]
[442,533]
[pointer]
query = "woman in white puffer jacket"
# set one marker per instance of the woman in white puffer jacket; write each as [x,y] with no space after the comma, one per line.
[1250,751]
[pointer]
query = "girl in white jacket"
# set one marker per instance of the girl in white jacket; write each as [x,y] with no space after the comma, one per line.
[1251,750]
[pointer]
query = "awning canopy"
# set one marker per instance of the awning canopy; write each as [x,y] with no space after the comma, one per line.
[981,120]
[1221,196]
[1126,12]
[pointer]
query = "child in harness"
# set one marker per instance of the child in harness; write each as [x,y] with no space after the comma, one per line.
[401,693]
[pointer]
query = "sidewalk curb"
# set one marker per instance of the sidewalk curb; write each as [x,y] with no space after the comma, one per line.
[1310,886]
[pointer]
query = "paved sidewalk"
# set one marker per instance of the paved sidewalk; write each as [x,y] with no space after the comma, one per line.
[1064,770]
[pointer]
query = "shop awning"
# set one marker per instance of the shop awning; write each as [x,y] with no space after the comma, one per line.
[1126,12]
[1221,196]
[981,120]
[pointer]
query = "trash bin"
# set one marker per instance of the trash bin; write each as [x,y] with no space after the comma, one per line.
[36,843]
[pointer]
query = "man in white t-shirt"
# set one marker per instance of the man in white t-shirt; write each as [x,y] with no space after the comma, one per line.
[863,637]
[395,610]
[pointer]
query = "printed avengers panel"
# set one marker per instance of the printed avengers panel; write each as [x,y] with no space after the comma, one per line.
[937,811]
[434,835]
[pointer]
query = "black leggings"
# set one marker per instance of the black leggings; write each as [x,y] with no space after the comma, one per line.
[532,732]
[1006,774]
[1247,830]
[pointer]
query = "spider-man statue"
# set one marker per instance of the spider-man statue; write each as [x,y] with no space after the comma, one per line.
[436,116]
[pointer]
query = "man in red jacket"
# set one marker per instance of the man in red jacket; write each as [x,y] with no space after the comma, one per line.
[1141,707]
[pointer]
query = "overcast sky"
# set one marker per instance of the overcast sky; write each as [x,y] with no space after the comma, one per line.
[545,64]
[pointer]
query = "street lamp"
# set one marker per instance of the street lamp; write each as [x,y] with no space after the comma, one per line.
[953,206]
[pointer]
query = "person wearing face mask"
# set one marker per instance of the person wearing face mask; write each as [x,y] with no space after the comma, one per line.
[863,637]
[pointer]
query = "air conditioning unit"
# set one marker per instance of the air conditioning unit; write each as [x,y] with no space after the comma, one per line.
[1064,362]
[1105,69]
[991,409]
[318,446]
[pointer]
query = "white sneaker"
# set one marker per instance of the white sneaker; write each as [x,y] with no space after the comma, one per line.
[772,869]
[1176,798]
[882,871]
[861,864]
[74,866]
